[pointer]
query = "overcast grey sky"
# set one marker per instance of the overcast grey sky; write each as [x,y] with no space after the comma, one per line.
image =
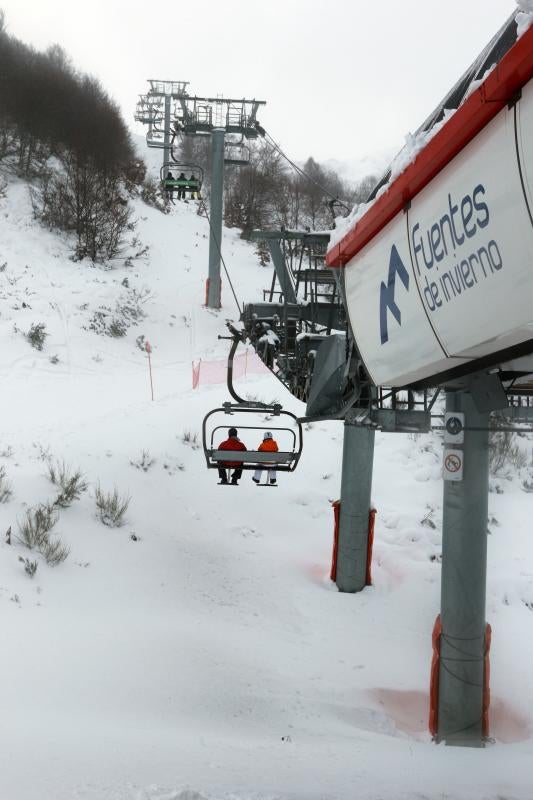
[342,79]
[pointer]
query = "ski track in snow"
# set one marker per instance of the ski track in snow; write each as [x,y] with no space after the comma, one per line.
[210,657]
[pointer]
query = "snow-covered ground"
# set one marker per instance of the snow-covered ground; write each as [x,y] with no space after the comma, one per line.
[200,650]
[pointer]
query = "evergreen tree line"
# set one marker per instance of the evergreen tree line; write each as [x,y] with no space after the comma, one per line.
[59,129]
[269,193]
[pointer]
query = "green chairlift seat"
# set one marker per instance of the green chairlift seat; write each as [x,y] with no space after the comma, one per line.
[194,176]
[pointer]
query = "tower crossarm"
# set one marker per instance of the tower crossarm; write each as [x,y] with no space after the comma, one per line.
[234,115]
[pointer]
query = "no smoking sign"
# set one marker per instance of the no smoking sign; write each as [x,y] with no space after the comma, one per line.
[453,465]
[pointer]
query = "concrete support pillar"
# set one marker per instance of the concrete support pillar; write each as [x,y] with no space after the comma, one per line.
[464,568]
[356,487]
[217,204]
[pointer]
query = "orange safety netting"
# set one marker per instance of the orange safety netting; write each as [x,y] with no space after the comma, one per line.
[434,680]
[371,523]
[211,372]
[207,283]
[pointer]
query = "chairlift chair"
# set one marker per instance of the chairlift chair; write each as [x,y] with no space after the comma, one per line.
[194,176]
[283,461]
[155,138]
[237,154]
[147,115]
[148,111]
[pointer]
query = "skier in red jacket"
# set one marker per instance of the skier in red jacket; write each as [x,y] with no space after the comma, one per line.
[231,443]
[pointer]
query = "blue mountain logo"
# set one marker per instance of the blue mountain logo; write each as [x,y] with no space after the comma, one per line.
[386,295]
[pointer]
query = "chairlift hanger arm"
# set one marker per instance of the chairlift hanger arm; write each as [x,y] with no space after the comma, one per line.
[237,337]
[234,345]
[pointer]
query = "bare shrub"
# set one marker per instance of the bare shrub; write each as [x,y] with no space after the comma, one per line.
[257,398]
[36,335]
[88,199]
[527,484]
[190,438]
[128,311]
[71,483]
[130,305]
[6,490]
[30,567]
[111,507]
[144,462]
[151,195]
[504,451]
[35,529]
[43,453]
[104,323]
[54,552]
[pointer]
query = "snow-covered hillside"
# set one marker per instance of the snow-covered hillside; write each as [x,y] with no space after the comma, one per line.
[357,169]
[200,650]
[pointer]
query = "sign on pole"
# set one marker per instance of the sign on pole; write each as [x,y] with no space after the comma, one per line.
[453,464]
[454,427]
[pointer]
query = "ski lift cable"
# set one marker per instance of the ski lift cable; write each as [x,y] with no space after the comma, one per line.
[304,174]
[203,205]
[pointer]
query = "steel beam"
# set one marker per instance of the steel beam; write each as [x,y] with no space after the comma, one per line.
[166,139]
[217,203]
[282,271]
[464,568]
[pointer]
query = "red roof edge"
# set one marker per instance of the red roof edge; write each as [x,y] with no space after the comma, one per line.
[513,71]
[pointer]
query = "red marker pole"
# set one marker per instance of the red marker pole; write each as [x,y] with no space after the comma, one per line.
[148,348]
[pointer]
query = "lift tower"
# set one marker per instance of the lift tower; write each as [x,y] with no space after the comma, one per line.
[201,116]
[218,116]
[155,110]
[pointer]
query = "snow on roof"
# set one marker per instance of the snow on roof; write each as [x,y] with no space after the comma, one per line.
[478,72]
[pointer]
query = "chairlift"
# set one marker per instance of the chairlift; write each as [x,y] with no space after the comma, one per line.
[155,138]
[148,112]
[194,176]
[284,460]
[237,154]
[148,115]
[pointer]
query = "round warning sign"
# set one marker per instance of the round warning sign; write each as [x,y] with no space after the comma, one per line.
[454,423]
[453,465]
